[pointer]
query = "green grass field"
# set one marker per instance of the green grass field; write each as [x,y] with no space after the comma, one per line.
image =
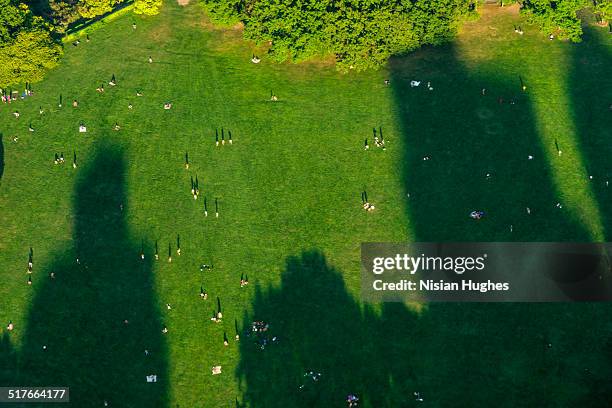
[290,217]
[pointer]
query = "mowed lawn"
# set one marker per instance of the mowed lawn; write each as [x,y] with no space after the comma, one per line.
[290,217]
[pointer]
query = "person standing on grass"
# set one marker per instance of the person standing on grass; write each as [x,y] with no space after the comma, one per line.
[178,245]
[205,208]
[169,252]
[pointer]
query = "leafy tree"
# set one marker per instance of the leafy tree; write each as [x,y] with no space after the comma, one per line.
[361,34]
[12,18]
[26,46]
[603,9]
[62,14]
[28,56]
[556,16]
[147,7]
[94,8]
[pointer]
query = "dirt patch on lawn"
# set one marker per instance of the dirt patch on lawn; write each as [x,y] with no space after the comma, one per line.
[182,2]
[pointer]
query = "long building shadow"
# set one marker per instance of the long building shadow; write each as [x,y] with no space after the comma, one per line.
[320,328]
[90,324]
[466,151]
[1,157]
[591,97]
[508,355]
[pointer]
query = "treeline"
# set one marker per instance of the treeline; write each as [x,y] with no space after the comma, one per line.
[62,13]
[27,48]
[362,34]
[30,42]
[561,17]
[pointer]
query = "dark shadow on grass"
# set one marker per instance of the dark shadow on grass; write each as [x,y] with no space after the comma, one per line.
[1,157]
[591,96]
[320,328]
[79,315]
[468,136]
[455,355]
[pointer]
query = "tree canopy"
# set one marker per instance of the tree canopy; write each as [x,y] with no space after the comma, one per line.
[26,46]
[360,34]
[147,7]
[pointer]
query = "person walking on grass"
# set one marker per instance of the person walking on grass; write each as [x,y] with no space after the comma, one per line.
[229,134]
[169,252]
[186,161]
[156,252]
[203,294]
[216,137]
[216,208]
[178,245]
[205,208]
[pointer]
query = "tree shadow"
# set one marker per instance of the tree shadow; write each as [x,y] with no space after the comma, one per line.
[76,334]
[591,96]
[451,354]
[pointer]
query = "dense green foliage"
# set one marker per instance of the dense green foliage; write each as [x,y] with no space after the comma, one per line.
[12,18]
[27,49]
[556,17]
[603,9]
[360,34]
[561,17]
[62,13]
[94,8]
[147,7]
